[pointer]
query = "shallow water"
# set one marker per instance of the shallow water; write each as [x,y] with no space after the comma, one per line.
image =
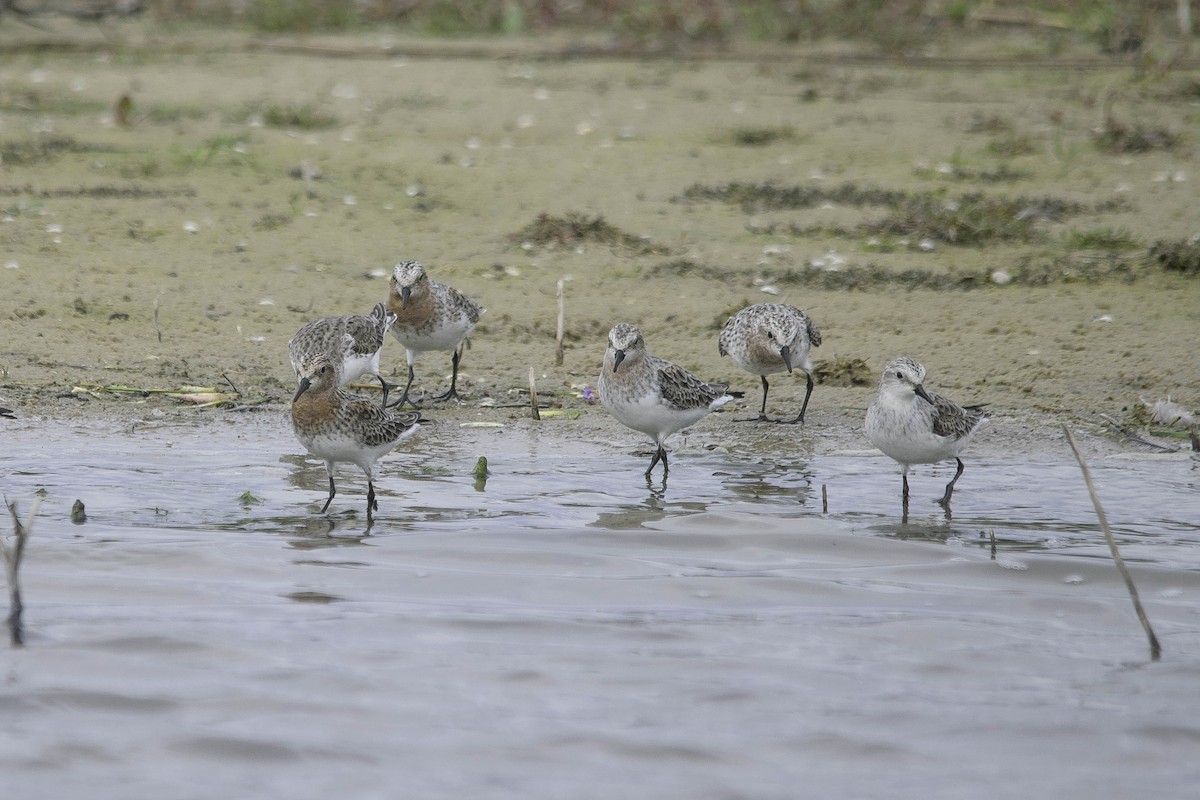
[567,631]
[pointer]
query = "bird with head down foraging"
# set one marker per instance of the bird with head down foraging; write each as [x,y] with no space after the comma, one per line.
[768,338]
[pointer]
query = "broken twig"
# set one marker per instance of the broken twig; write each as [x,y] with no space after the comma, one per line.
[533,401]
[558,336]
[12,567]
[1155,648]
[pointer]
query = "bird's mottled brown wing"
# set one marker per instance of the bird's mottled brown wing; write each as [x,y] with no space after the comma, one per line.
[814,335]
[682,389]
[368,333]
[951,419]
[380,425]
[726,332]
[460,302]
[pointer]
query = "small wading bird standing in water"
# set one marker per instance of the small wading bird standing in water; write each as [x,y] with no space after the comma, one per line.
[334,425]
[914,426]
[650,394]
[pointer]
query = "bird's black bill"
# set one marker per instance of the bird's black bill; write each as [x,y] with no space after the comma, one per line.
[301,388]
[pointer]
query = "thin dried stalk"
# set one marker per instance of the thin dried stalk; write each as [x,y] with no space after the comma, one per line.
[1155,648]
[533,398]
[558,338]
[12,567]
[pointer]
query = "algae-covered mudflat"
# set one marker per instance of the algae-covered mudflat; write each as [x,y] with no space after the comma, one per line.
[177,206]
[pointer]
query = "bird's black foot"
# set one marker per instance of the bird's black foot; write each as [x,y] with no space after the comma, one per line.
[449,394]
[387,387]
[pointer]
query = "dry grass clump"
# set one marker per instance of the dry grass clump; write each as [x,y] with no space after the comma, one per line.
[1120,138]
[761,137]
[574,229]
[758,197]
[1179,256]
[971,219]
[41,149]
[974,218]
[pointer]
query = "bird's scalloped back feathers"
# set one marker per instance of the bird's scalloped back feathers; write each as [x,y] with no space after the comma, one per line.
[682,389]
[951,419]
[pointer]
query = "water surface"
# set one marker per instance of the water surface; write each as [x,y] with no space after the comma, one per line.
[565,630]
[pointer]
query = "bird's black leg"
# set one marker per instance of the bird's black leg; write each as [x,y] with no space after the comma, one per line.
[659,455]
[332,492]
[372,503]
[404,397]
[804,406]
[904,493]
[945,501]
[762,413]
[452,392]
[386,388]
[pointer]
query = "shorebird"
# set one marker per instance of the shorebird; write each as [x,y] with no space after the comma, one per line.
[650,394]
[429,316]
[356,340]
[334,425]
[915,426]
[767,338]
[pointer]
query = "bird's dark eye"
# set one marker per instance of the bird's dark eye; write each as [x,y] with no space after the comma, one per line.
[899,376]
[770,335]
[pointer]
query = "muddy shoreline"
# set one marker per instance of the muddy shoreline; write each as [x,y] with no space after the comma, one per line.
[177,243]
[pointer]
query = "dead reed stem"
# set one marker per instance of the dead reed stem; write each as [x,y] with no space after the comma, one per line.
[1155,648]
[12,567]
[533,398]
[558,336]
